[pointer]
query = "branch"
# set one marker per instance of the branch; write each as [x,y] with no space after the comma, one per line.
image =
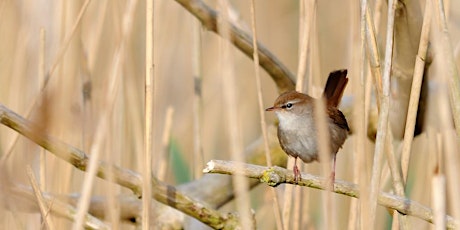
[274,176]
[243,41]
[161,192]
[20,198]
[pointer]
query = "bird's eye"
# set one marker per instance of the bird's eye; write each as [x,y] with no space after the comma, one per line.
[289,105]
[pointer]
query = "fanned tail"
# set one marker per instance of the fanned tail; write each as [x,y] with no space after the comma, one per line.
[335,85]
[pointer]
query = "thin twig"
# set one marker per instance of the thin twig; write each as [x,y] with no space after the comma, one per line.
[304,30]
[373,55]
[274,176]
[148,116]
[304,43]
[415,90]
[383,114]
[240,184]
[101,132]
[103,124]
[259,85]
[198,156]
[361,172]
[164,157]
[22,193]
[41,78]
[324,154]
[276,205]
[296,193]
[398,183]
[44,209]
[67,40]
[62,205]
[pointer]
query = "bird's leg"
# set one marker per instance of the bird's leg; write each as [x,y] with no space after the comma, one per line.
[332,177]
[296,171]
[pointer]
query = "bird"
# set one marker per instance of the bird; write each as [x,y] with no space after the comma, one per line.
[297,129]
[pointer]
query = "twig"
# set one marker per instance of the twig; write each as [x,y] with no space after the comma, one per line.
[62,205]
[398,181]
[22,195]
[95,150]
[240,183]
[276,204]
[304,42]
[383,114]
[41,78]
[274,176]
[161,192]
[148,115]
[415,90]
[44,209]
[243,41]
[373,55]
[360,172]
[259,85]
[198,156]
[67,40]
[164,157]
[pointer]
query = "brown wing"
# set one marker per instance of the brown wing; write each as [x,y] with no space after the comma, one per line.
[338,118]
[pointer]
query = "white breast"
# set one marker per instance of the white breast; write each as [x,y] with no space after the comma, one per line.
[302,135]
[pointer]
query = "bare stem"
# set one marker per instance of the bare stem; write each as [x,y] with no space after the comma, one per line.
[148,116]
[415,90]
[276,205]
[383,114]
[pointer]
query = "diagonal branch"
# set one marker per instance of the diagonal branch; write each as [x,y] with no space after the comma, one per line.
[274,176]
[243,41]
[161,192]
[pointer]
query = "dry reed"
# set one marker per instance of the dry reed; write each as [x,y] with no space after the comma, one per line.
[58,62]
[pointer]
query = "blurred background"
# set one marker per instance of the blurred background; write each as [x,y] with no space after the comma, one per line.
[69,76]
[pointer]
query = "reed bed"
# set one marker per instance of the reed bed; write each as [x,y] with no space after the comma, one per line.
[125,114]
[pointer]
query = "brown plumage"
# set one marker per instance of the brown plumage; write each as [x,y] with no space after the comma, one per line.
[297,132]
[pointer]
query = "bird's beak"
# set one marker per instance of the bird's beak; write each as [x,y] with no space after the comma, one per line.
[270,109]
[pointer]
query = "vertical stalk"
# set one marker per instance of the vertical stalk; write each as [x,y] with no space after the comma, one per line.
[148,139]
[383,114]
[360,125]
[415,90]
[240,183]
[263,125]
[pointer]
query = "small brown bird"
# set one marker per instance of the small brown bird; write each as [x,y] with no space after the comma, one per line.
[297,132]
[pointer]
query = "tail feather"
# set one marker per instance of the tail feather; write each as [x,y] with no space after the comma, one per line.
[335,85]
